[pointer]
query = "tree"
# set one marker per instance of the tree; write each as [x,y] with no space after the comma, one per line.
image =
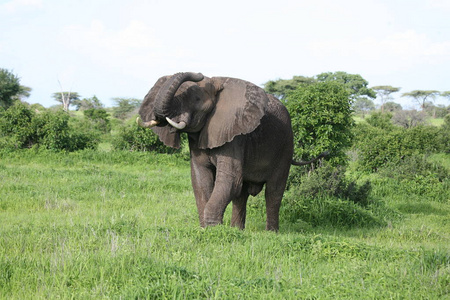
[124,106]
[282,87]
[87,103]
[321,120]
[392,106]
[409,118]
[66,98]
[354,83]
[421,96]
[9,88]
[384,93]
[363,106]
[445,94]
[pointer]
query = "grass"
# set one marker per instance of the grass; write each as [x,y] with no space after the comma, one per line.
[122,225]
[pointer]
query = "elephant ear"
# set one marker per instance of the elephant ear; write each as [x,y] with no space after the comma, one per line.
[169,137]
[240,105]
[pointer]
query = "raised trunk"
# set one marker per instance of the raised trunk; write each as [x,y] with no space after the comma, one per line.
[168,90]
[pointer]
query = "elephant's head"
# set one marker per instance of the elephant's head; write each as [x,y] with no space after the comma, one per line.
[217,108]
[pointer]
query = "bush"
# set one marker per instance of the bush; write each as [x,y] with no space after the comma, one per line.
[99,119]
[20,128]
[331,211]
[378,146]
[381,120]
[321,120]
[329,181]
[134,138]
[445,134]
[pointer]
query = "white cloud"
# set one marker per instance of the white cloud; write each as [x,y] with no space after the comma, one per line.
[16,5]
[399,51]
[134,47]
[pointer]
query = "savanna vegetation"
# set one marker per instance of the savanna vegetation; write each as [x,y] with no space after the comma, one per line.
[93,207]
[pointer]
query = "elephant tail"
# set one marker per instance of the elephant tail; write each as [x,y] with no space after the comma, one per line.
[303,163]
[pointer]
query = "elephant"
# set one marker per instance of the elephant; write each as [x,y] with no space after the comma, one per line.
[240,139]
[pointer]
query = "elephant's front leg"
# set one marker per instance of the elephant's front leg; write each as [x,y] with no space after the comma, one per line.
[203,184]
[227,186]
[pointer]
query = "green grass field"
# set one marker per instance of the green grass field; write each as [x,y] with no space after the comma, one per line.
[123,225]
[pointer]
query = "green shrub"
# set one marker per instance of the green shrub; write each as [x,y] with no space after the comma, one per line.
[99,119]
[321,120]
[330,211]
[445,134]
[134,138]
[326,197]
[329,181]
[380,120]
[414,178]
[20,128]
[377,147]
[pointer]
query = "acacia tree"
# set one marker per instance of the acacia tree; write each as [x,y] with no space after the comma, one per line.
[445,94]
[421,96]
[124,106]
[66,98]
[384,93]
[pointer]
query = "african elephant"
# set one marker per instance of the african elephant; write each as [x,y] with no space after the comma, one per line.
[240,138]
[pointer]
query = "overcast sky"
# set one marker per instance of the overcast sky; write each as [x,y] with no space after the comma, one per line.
[114,48]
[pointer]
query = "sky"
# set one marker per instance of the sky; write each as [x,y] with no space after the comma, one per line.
[111,48]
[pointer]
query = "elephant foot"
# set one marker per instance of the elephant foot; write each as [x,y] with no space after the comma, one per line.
[212,222]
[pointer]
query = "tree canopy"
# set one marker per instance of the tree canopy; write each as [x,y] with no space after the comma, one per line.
[421,96]
[66,98]
[282,87]
[87,103]
[354,83]
[384,93]
[9,88]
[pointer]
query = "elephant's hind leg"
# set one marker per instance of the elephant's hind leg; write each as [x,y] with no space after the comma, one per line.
[274,194]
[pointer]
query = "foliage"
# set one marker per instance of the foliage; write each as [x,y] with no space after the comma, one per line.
[437,111]
[321,121]
[9,88]
[409,118]
[282,87]
[87,103]
[66,98]
[421,96]
[356,86]
[21,127]
[445,134]
[328,181]
[125,107]
[135,138]
[384,93]
[99,118]
[378,146]
[381,120]
[363,106]
[392,106]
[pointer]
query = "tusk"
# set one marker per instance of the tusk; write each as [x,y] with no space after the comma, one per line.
[176,125]
[146,124]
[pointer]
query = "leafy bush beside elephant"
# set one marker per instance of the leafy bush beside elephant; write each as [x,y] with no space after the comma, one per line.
[240,139]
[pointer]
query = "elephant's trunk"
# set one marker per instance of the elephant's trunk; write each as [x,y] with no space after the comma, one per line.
[168,90]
